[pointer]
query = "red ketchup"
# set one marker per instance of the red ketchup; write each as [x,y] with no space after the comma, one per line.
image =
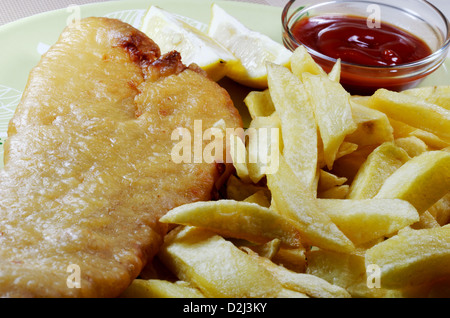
[353,41]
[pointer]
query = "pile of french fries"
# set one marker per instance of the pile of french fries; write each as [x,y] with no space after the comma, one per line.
[355,204]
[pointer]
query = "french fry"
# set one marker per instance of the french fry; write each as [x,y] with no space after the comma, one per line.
[345,270]
[435,289]
[402,130]
[430,139]
[238,153]
[346,148]
[412,145]
[293,259]
[413,111]
[338,192]
[360,100]
[302,62]
[264,146]
[422,181]
[215,266]
[310,285]
[287,293]
[267,250]
[439,95]
[349,165]
[157,288]
[373,127]
[426,221]
[328,180]
[259,104]
[335,73]
[412,257]
[298,126]
[441,210]
[237,219]
[293,201]
[363,221]
[332,110]
[380,164]
[259,198]
[238,190]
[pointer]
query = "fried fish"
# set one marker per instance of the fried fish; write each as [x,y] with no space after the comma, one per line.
[88,168]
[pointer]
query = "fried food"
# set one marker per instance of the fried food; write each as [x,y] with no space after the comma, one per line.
[88,167]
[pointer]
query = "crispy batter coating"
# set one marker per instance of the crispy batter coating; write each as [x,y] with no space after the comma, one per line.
[88,168]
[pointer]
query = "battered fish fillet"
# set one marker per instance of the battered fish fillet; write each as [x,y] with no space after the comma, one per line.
[88,169]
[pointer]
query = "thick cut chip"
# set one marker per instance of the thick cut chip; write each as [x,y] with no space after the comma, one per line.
[363,221]
[372,174]
[430,139]
[413,111]
[346,270]
[157,288]
[295,202]
[412,145]
[373,127]
[302,62]
[328,180]
[335,73]
[238,190]
[263,146]
[402,130]
[238,153]
[288,293]
[439,95]
[333,113]
[349,165]
[338,192]
[421,181]
[237,219]
[412,257]
[441,210]
[259,104]
[298,126]
[291,258]
[259,198]
[426,221]
[215,266]
[310,285]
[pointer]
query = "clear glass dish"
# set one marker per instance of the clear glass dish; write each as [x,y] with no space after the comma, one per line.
[417,17]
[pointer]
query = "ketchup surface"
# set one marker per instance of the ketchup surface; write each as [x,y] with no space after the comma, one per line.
[350,39]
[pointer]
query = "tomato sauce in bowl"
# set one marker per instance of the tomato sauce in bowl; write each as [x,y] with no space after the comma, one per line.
[352,40]
[395,52]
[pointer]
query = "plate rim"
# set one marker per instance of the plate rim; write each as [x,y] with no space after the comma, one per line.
[131,3]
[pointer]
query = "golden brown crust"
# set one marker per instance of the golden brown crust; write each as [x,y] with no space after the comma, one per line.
[168,64]
[86,180]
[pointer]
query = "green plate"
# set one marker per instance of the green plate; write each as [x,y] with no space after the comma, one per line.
[22,42]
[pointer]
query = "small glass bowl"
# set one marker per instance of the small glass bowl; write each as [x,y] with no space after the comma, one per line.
[418,17]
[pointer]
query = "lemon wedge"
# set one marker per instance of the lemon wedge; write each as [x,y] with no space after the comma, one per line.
[171,32]
[253,49]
